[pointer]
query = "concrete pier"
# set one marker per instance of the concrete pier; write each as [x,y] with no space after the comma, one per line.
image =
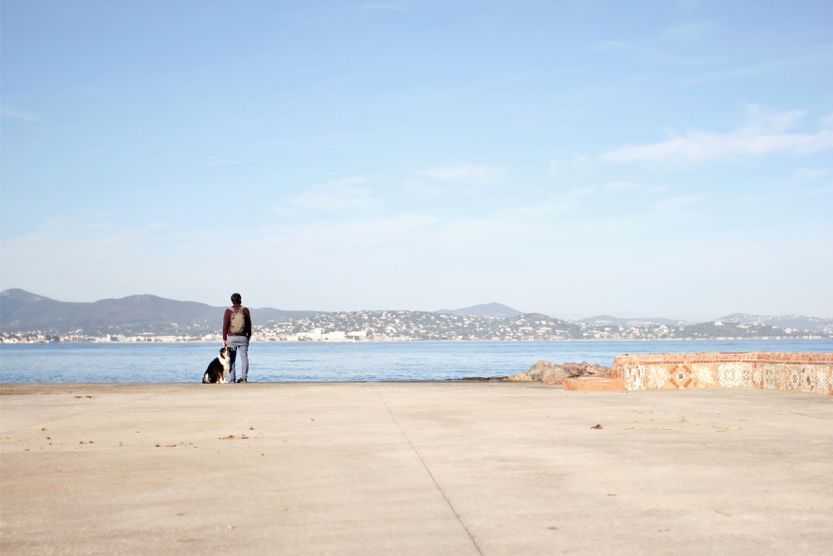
[412,468]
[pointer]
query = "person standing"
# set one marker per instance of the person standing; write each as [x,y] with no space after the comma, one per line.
[237,329]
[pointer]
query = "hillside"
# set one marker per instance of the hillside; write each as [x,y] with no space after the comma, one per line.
[149,315]
[490,310]
[798,322]
[601,320]
[24,311]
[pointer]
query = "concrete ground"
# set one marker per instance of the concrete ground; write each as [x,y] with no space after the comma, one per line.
[412,468]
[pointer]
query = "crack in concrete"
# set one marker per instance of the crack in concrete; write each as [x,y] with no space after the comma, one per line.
[427,469]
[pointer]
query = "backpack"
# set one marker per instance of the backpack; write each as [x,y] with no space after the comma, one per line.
[237,323]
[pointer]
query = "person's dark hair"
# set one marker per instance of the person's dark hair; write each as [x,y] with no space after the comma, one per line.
[236,298]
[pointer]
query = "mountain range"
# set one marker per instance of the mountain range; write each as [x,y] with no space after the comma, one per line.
[22,311]
[489,310]
[604,320]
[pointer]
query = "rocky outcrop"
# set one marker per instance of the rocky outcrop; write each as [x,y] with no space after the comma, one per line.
[548,372]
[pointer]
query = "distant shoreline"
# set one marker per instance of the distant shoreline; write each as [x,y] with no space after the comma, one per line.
[476,341]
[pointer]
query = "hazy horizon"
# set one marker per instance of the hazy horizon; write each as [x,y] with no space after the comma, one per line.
[624,315]
[647,159]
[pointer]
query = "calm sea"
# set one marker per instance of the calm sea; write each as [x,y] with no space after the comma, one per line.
[308,361]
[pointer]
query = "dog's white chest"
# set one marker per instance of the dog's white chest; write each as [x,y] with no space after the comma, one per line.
[225,362]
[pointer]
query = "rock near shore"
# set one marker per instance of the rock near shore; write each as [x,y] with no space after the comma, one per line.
[548,372]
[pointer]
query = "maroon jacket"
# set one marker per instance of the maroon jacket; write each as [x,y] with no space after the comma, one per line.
[247,330]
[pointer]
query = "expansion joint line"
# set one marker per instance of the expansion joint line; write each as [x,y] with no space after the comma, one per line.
[427,470]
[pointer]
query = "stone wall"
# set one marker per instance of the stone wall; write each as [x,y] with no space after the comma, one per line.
[790,372]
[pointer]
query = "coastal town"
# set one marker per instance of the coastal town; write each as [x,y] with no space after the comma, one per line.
[410,326]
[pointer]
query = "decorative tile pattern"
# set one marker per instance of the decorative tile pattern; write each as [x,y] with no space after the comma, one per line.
[747,376]
[790,372]
[634,377]
[808,379]
[770,376]
[656,378]
[730,375]
[681,376]
[703,376]
[758,377]
[824,385]
[794,380]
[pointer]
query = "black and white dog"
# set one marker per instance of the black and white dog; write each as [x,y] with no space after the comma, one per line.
[217,369]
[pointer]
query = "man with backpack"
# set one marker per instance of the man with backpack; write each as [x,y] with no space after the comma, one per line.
[237,329]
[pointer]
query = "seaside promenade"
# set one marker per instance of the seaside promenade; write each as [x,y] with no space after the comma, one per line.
[412,468]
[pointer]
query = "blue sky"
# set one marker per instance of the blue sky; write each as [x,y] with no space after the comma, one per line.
[573,158]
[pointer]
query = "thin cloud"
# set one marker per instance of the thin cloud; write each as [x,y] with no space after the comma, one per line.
[284,212]
[822,190]
[225,162]
[606,188]
[732,72]
[20,114]
[649,54]
[573,162]
[339,195]
[574,200]
[759,118]
[299,140]
[624,46]
[614,186]
[465,174]
[612,45]
[757,199]
[764,134]
[678,202]
[382,7]
[423,191]
[685,31]
[805,175]
[689,4]
[818,56]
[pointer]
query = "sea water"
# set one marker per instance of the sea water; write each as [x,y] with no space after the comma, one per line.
[318,361]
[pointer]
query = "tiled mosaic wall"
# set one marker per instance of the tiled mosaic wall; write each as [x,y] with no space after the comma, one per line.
[791,372]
